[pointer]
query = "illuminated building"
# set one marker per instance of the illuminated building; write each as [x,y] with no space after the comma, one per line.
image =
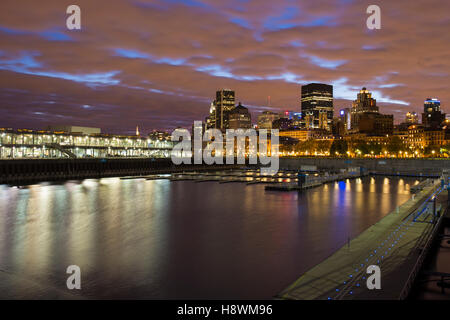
[300,135]
[366,118]
[303,135]
[317,99]
[323,121]
[74,129]
[432,117]
[266,119]
[23,143]
[416,137]
[420,137]
[346,116]
[412,118]
[240,118]
[220,109]
[159,135]
[295,119]
[363,104]
[283,124]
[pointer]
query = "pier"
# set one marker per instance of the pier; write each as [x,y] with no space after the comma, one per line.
[398,244]
[315,181]
[234,174]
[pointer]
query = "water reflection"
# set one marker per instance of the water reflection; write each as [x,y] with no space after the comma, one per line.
[161,239]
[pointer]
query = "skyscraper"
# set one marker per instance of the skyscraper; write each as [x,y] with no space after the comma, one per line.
[363,104]
[317,99]
[432,117]
[225,102]
[220,109]
[366,118]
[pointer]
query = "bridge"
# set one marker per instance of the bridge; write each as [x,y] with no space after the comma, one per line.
[398,244]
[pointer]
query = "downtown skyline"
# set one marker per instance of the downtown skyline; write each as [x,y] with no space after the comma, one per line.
[156,64]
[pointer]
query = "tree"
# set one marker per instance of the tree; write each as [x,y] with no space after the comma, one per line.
[361,146]
[395,145]
[374,148]
[339,147]
[429,150]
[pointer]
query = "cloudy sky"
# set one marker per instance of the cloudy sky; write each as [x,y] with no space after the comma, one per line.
[158,63]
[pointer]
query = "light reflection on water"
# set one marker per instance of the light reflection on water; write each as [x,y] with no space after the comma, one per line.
[161,239]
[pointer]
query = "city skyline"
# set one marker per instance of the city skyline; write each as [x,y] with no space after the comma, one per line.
[154,64]
[233,104]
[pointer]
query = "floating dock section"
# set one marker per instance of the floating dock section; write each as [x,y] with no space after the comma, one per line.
[315,181]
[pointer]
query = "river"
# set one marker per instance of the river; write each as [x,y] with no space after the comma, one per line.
[178,240]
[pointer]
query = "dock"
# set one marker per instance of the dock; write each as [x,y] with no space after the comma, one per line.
[247,176]
[398,244]
[315,181]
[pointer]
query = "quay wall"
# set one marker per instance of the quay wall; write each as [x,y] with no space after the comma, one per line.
[413,167]
[27,171]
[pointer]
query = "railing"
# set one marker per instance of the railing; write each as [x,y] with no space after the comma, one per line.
[418,265]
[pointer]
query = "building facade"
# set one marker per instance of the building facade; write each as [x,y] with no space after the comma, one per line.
[220,109]
[432,117]
[363,104]
[266,119]
[376,124]
[317,105]
[412,118]
[23,143]
[240,118]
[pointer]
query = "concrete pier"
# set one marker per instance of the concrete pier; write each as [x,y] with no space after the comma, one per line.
[397,244]
[419,167]
[315,182]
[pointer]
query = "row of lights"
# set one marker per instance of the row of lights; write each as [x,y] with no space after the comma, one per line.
[348,284]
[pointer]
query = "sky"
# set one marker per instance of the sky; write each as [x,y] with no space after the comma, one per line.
[158,63]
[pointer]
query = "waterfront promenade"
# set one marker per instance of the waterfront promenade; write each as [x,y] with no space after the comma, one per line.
[397,244]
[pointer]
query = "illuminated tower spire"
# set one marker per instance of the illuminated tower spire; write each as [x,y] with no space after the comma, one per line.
[137,131]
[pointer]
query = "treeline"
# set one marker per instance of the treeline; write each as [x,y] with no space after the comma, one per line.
[340,147]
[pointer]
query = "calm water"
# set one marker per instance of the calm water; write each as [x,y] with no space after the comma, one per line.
[161,239]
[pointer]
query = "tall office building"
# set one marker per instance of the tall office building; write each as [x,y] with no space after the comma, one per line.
[366,118]
[363,104]
[220,109]
[317,105]
[225,102]
[432,117]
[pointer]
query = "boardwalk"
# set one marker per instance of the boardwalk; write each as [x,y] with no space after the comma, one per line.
[395,244]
